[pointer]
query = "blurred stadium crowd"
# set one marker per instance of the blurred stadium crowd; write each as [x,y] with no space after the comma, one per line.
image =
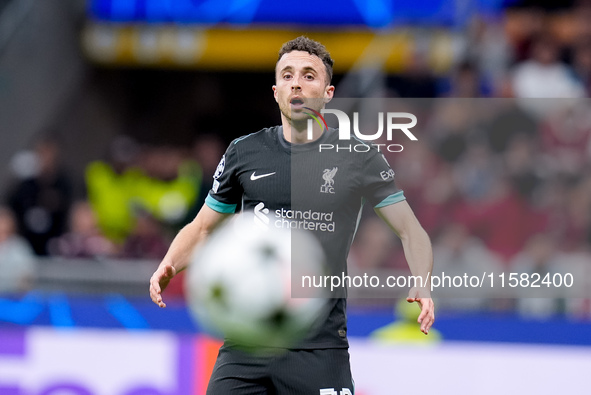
[498,184]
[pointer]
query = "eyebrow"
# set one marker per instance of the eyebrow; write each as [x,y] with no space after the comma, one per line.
[306,69]
[286,68]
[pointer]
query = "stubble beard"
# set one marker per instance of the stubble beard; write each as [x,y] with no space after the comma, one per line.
[299,124]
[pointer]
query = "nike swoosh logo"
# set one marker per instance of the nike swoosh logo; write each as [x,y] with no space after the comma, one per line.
[254,177]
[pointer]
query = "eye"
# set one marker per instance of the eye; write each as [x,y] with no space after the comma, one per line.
[309,77]
[287,76]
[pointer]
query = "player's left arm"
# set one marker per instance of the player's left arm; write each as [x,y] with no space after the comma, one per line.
[419,255]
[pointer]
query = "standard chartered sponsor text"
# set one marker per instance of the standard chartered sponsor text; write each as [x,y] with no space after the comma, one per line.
[304,219]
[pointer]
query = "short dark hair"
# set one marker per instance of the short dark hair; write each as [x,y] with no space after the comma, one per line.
[303,43]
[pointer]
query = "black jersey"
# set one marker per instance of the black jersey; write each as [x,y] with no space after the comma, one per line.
[308,186]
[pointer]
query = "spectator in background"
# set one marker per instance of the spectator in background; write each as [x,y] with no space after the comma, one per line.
[466,81]
[207,151]
[166,184]
[419,162]
[539,256]
[477,172]
[543,75]
[572,216]
[457,253]
[522,167]
[158,180]
[418,81]
[375,247]
[84,239]
[452,126]
[404,329]
[488,48]
[502,219]
[147,240]
[17,259]
[566,137]
[41,199]
[582,64]
[109,183]
[438,201]
[508,122]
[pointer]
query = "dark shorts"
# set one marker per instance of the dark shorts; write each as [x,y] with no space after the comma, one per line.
[301,372]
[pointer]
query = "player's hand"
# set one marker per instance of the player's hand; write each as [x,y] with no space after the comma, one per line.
[159,282]
[427,316]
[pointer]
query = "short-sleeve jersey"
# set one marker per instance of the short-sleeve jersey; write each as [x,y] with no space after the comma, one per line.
[318,186]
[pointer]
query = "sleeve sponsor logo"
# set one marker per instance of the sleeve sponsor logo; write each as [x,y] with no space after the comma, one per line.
[386,174]
[220,169]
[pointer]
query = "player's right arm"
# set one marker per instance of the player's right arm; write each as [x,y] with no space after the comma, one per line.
[220,203]
[181,249]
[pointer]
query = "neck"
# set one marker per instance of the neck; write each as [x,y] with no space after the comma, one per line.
[297,132]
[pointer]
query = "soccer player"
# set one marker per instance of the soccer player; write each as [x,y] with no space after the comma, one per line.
[280,174]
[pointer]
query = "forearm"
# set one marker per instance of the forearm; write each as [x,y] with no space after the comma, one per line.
[418,253]
[182,247]
[190,237]
[181,250]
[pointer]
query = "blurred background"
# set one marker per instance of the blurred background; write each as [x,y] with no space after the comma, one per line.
[115,113]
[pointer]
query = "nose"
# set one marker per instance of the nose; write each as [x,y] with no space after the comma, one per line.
[295,83]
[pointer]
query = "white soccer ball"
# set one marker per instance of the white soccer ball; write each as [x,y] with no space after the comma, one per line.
[239,284]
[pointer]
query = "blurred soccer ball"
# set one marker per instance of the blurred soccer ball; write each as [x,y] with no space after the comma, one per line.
[239,284]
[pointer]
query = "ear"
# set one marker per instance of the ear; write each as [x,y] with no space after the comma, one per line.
[275,92]
[328,93]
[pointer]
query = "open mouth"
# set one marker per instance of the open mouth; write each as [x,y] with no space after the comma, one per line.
[296,102]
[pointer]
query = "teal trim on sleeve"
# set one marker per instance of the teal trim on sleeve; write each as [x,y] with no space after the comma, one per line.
[395,198]
[242,138]
[219,206]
